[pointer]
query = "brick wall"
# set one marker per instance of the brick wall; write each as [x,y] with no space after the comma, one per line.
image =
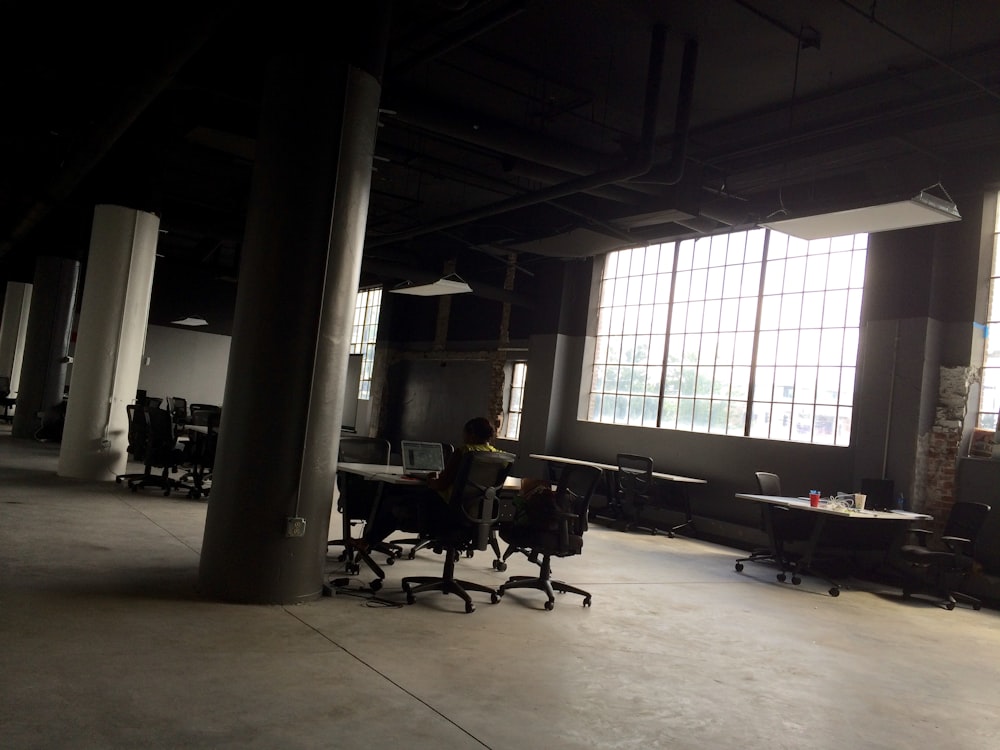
[940,448]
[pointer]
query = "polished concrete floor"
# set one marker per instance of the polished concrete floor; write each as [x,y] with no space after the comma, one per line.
[106,643]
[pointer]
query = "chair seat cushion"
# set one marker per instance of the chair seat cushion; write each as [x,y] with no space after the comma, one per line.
[914,553]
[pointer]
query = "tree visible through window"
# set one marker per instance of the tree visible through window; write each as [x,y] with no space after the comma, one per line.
[750,333]
[363,335]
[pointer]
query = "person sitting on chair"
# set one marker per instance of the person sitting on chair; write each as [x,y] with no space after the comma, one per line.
[402,511]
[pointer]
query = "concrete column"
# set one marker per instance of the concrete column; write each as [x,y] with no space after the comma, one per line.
[46,344]
[274,476]
[110,340]
[13,331]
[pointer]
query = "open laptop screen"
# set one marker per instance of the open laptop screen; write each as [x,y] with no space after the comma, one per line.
[421,458]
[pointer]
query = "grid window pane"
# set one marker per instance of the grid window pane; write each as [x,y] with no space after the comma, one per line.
[364,332]
[718,317]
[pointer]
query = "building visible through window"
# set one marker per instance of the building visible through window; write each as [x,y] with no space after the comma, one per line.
[750,333]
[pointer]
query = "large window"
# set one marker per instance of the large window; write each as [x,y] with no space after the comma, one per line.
[989,395]
[515,401]
[363,335]
[751,333]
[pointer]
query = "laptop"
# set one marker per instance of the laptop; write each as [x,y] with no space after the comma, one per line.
[421,459]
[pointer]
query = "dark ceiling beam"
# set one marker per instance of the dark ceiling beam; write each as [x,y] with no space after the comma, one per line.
[105,135]
[635,167]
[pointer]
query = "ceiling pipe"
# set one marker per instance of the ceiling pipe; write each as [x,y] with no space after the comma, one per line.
[637,167]
[103,137]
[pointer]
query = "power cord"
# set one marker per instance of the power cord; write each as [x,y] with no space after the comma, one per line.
[342,587]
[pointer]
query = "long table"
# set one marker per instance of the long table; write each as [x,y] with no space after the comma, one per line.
[815,522]
[610,470]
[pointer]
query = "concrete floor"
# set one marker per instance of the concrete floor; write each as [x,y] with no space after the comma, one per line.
[107,644]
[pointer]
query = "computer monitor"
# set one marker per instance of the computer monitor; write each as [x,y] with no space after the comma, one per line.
[880,494]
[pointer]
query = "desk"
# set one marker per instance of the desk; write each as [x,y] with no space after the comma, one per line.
[609,479]
[814,522]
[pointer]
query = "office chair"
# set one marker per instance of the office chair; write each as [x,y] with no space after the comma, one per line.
[5,400]
[946,567]
[553,530]
[199,456]
[464,523]
[137,439]
[633,491]
[178,408]
[767,484]
[161,453]
[355,500]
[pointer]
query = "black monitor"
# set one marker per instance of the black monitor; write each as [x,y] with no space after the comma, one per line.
[880,494]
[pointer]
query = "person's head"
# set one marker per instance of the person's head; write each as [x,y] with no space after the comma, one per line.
[478,430]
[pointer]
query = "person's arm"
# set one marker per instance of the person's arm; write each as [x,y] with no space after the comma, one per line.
[446,477]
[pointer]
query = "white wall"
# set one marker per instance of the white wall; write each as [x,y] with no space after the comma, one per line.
[188,364]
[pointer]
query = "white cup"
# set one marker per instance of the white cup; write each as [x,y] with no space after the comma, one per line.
[859,501]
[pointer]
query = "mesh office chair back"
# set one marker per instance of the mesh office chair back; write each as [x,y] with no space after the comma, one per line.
[768,483]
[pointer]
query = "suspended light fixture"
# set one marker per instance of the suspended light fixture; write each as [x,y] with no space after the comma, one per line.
[922,210]
[450,284]
[191,320]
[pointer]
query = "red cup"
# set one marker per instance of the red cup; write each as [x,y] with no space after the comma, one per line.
[814,499]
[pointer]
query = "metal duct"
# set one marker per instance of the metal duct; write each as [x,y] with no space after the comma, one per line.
[637,167]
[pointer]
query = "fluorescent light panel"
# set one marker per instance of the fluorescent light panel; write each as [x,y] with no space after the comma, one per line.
[190,321]
[447,285]
[923,210]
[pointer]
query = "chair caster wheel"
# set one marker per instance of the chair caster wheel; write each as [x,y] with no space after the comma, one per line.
[470,607]
[468,553]
[410,598]
[499,565]
[670,535]
[977,606]
[500,591]
[412,555]
[390,560]
[586,601]
[949,606]
[352,569]
[834,591]
[376,584]
[739,567]
[796,580]
[494,598]
[549,605]
[782,577]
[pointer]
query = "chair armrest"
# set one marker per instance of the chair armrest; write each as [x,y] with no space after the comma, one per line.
[958,544]
[922,535]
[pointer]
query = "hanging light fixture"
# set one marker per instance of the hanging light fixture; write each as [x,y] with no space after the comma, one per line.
[450,284]
[922,210]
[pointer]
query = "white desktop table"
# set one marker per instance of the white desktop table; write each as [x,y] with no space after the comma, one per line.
[819,516]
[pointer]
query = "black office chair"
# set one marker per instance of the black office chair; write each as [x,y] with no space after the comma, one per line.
[633,491]
[553,526]
[355,500]
[178,408]
[767,484]
[939,571]
[161,453]
[464,523]
[138,429]
[199,454]
[5,400]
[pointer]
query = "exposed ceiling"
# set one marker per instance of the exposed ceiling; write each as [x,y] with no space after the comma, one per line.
[546,127]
